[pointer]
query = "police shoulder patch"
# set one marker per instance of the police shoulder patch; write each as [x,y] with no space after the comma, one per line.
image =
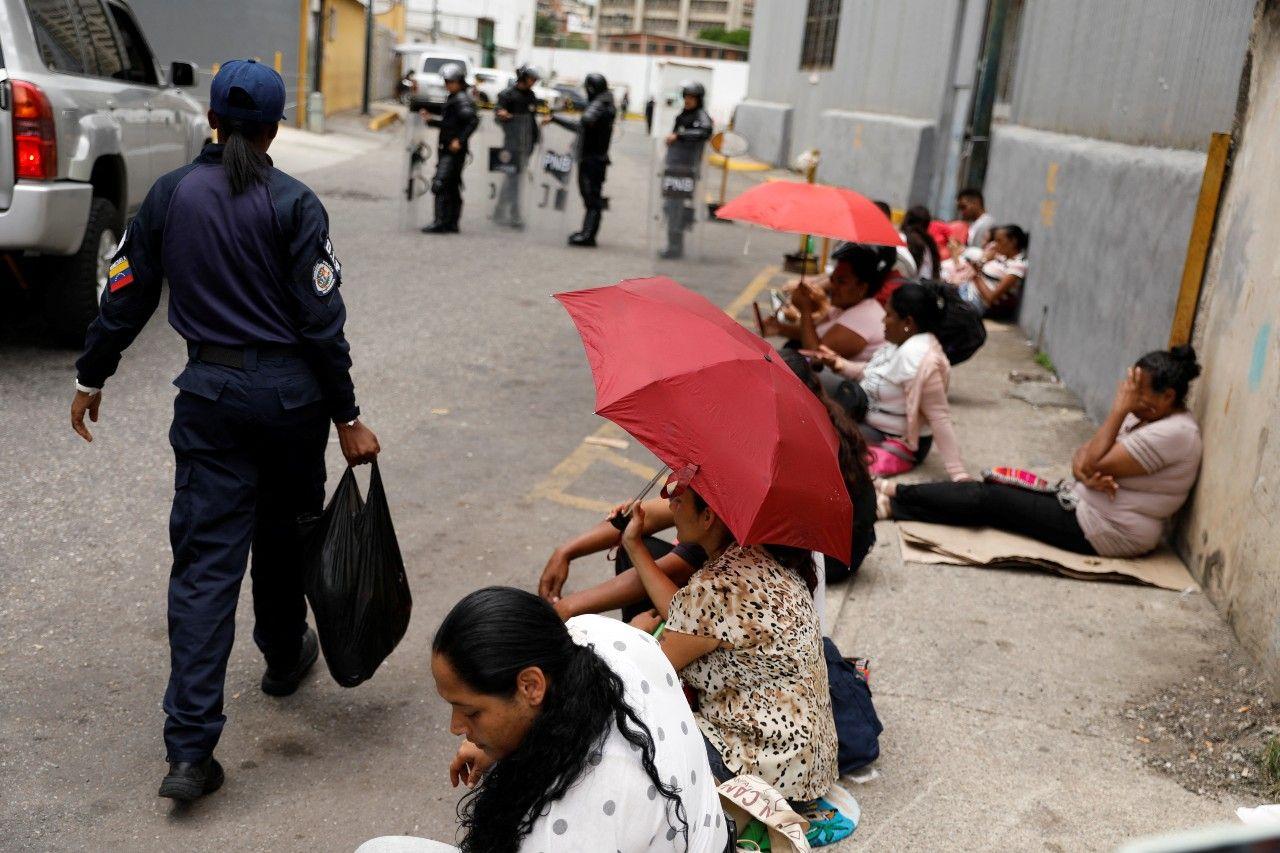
[323,278]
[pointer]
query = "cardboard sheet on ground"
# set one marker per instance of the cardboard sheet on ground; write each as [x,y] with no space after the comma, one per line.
[991,548]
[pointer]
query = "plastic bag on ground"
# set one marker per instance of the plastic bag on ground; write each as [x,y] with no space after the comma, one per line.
[355,580]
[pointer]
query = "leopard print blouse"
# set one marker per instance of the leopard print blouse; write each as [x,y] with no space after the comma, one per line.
[764,700]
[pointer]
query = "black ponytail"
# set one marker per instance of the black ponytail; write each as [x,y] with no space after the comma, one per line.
[245,165]
[489,638]
[1174,368]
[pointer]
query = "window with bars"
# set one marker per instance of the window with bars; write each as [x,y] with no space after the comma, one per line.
[821,24]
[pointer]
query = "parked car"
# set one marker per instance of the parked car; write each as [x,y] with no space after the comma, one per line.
[573,97]
[429,92]
[550,97]
[89,122]
[488,83]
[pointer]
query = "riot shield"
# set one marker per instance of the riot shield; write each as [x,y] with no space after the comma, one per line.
[677,210]
[415,192]
[528,181]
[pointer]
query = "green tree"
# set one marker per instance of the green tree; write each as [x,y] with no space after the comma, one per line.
[544,25]
[740,37]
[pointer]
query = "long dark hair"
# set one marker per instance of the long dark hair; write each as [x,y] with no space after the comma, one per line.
[245,165]
[853,447]
[491,636]
[915,225]
[1173,368]
[798,560]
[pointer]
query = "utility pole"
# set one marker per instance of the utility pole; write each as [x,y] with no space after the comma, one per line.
[368,57]
[435,21]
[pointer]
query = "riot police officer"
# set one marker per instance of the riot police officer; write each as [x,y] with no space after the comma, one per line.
[685,145]
[254,290]
[595,132]
[516,112]
[457,122]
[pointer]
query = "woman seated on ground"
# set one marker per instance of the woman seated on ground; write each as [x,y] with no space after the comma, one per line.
[899,398]
[991,280]
[1132,476]
[744,635]
[678,562]
[624,590]
[577,736]
[854,324]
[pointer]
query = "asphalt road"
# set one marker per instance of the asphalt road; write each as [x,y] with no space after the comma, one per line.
[477,386]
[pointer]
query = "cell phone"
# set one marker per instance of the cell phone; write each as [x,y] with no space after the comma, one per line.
[777,301]
[755,306]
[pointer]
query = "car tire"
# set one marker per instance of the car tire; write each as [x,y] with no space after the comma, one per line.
[72,286]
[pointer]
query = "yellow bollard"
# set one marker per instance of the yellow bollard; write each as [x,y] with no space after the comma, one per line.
[279,63]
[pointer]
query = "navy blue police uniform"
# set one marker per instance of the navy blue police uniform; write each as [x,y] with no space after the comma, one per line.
[254,291]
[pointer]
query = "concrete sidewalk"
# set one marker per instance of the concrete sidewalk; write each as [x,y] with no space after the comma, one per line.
[1002,692]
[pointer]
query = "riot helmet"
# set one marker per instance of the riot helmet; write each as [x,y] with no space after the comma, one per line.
[692,88]
[528,71]
[595,84]
[452,72]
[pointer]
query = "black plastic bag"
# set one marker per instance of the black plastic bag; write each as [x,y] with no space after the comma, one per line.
[961,331]
[354,578]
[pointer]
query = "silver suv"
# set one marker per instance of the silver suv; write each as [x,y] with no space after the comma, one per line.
[88,121]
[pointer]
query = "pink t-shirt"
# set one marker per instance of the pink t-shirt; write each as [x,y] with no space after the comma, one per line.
[866,319]
[1132,524]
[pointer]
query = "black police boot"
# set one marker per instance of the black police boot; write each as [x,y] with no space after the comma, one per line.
[283,682]
[590,225]
[440,228]
[190,780]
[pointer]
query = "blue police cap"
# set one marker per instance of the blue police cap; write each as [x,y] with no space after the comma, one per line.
[262,87]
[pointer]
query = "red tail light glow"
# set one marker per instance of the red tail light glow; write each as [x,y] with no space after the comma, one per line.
[35,143]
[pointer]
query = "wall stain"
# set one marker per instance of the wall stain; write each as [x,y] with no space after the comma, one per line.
[1259,363]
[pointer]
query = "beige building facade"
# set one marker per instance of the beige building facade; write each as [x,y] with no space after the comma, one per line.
[682,19]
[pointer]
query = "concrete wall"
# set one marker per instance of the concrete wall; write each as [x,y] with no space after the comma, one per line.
[885,157]
[1146,72]
[1230,533]
[1109,225]
[210,33]
[1113,101]
[895,60]
[766,125]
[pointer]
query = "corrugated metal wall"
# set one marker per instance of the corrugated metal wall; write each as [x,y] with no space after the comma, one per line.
[1145,72]
[891,57]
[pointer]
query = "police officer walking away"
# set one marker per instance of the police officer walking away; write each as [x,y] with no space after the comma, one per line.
[254,290]
[685,143]
[595,132]
[516,112]
[457,122]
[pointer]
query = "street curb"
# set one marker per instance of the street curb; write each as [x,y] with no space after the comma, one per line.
[381,120]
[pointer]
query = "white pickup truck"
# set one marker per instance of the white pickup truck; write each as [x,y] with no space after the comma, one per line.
[88,121]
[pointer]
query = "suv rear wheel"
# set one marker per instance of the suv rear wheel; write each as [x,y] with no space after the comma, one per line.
[73,285]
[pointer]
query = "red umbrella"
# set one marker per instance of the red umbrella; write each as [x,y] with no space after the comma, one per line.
[696,388]
[817,209]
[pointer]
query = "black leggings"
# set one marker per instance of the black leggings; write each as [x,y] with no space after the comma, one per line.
[974,504]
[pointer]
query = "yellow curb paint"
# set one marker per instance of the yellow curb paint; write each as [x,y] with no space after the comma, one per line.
[556,485]
[383,119]
[738,164]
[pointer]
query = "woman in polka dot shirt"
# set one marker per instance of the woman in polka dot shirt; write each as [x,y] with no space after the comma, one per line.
[577,734]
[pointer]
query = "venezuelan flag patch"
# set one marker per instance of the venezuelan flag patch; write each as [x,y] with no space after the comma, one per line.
[120,276]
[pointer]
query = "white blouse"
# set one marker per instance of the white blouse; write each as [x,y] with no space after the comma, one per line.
[614,805]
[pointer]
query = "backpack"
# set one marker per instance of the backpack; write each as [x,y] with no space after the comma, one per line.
[961,332]
[857,726]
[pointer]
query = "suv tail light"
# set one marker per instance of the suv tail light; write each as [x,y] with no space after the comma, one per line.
[35,144]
